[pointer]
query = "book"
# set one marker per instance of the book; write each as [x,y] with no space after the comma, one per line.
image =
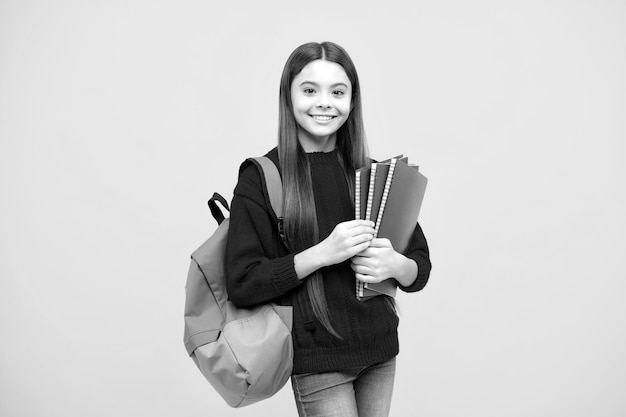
[395,191]
[381,184]
[384,196]
[388,286]
[357,194]
[369,184]
[370,193]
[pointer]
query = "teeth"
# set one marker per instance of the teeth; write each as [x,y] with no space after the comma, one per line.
[323,118]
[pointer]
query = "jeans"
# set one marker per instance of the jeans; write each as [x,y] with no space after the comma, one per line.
[356,392]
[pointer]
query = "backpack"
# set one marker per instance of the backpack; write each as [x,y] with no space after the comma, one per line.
[245,354]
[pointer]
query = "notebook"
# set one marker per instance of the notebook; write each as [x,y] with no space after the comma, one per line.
[390,193]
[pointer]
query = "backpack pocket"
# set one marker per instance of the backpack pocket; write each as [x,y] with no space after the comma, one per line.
[252,358]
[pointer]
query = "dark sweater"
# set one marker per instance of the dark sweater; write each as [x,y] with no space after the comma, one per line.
[261,269]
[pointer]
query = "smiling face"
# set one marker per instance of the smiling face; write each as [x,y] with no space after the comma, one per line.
[321,95]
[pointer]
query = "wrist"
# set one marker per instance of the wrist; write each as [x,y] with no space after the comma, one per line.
[308,261]
[407,269]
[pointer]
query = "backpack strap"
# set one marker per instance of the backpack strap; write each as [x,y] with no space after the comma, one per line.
[274,189]
[273,184]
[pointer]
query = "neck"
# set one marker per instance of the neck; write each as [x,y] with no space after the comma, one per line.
[316,144]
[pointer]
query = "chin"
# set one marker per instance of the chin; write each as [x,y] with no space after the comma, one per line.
[323,131]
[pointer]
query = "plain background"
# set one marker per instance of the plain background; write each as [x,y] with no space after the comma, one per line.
[118,119]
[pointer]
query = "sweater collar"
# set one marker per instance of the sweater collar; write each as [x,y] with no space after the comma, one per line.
[323,157]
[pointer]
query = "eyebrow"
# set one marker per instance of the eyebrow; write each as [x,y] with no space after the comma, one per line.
[317,85]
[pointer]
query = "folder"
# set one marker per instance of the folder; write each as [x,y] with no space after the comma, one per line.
[403,206]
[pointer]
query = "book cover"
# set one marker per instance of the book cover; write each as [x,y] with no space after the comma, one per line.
[403,206]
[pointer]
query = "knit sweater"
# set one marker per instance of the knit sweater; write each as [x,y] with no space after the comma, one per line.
[261,269]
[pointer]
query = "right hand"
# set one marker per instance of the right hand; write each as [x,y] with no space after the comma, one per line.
[346,240]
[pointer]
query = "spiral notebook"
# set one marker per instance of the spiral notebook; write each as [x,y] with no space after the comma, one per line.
[390,193]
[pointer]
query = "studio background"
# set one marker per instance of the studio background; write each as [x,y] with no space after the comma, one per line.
[119,119]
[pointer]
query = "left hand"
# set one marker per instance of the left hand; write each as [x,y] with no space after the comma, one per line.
[376,263]
[380,261]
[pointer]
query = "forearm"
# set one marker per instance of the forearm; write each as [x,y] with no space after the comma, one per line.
[307,262]
[312,259]
[345,241]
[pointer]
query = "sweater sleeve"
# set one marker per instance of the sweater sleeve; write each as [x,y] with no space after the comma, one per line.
[418,251]
[258,266]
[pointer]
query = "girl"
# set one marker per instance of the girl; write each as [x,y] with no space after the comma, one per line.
[344,349]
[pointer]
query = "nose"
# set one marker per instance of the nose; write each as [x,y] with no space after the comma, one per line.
[324,103]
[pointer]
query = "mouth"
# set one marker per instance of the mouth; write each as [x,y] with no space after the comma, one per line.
[322,117]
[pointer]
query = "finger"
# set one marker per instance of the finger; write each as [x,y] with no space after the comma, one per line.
[359,269]
[356,249]
[365,278]
[356,263]
[357,259]
[362,230]
[369,262]
[381,243]
[367,252]
[356,240]
[358,223]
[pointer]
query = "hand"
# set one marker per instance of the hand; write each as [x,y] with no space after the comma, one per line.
[345,241]
[380,261]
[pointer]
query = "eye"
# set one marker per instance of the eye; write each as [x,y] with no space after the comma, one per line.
[308,91]
[338,93]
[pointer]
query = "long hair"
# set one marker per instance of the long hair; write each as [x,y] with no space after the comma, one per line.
[300,219]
